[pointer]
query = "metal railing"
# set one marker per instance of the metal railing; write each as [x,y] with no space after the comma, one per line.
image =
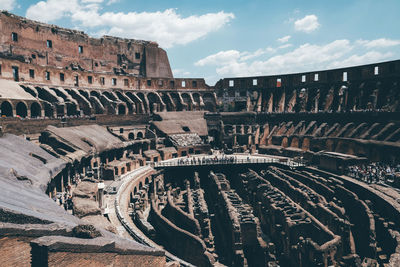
[222,161]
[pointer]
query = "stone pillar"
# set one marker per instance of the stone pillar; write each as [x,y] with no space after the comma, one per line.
[100,192]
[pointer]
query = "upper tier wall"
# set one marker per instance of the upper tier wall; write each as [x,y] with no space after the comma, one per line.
[375,71]
[48,45]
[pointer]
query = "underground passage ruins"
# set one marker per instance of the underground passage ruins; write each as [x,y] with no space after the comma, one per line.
[106,159]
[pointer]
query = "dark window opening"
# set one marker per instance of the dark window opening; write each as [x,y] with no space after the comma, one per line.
[96,64]
[80,49]
[194,84]
[148,82]
[191,150]
[33,56]
[47,75]
[14,37]
[102,80]
[172,84]
[62,77]
[114,81]
[90,79]
[137,55]
[0,69]
[15,73]
[49,44]
[185,128]
[121,130]
[76,80]
[184,153]
[32,73]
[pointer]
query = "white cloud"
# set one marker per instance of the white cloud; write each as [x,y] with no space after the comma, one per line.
[306,57]
[232,56]
[220,58]
[367,58]
[7,4]
[50,10]
[166,27]
[92,1]
[285,46]
[379,43]
[284,39]
[307,24]
[110,2]
[180,72]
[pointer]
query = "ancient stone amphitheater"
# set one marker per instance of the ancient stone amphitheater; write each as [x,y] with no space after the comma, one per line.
[106,159]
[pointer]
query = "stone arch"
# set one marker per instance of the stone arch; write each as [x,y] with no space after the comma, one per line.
[187,101]
[142,97]
[121,109]
[137,106]
[109,95]
[126,100]
[209,102]
[306,144]
[196,98]
[36,110]
[95,99]
[176,99]
[285,142]
[131,136]
[154,102]
[139,135]
[71,109]
[295,142]
[168,102]
[21,110]
[48,110]
[6,109]
[330,145]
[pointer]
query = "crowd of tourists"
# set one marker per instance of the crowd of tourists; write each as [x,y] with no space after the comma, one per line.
[208,160]
[374,172]
[65,200]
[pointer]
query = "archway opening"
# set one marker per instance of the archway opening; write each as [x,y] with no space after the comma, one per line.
[36,110]
[21,110]
[121,110]
[6,109]
[139,135]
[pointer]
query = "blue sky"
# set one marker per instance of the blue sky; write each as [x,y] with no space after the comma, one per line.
[230,38]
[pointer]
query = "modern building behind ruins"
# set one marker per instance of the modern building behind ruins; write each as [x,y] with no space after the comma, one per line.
[101,114]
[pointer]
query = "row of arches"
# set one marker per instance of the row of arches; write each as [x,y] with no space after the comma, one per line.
[59,102]
[21,109]
[139,136]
